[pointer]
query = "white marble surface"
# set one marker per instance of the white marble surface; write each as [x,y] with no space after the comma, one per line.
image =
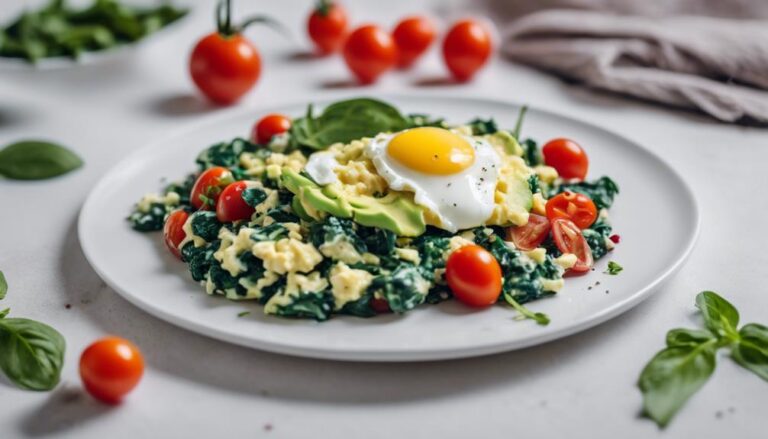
[198,387]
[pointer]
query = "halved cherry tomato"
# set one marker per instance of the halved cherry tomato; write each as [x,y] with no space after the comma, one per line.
[466,48]
[531,235]
[569,239]
[208,186]
[270,126]
[381,306]
[327,26]
[412,36]
[567,157]
[574,206]
[173,231]
[231,206]
[474,276]
[369,52]
[110,368]
[224,67]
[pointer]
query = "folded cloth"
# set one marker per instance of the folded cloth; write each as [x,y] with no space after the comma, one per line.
[718,66]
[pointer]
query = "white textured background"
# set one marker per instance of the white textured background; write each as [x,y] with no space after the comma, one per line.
[581,386]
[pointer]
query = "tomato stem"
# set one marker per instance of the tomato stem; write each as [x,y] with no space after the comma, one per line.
[324,7]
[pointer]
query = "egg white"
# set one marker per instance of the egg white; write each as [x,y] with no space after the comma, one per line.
[462,200]
[321,166]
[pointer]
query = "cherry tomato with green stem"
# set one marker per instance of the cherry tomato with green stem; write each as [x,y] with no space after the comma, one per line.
[327,26]
[413,36]
[225,65]
[369,52]
[110,368]
[474,276]
[567,157]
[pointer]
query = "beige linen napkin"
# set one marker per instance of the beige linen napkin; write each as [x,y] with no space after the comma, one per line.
[715,65]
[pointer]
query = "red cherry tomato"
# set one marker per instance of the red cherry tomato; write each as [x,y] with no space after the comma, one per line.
[567,157]
[381,306]
[231,206]
[369,52]
[268,127]
[576,207]
[327,26]
[569,239]
[531,235]
[224,68]
[110,368]
[412,36]
[466,48]
[173,231]
[474,276]
[208,186]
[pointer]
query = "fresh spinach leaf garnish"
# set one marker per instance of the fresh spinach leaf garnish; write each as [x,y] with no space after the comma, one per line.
[345,121]
[614,268]
[685,365]
[3,286]
[36,160]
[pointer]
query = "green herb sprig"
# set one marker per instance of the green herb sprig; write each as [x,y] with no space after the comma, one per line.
[31,353]
[614,268]
[36,160]
[685,365]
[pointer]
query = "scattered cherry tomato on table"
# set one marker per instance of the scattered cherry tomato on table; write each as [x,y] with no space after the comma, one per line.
[530,235]
[208,187]
[569,239]
[412,36]
[225,65]
[327,26]
[110,368]
[270,126]
[369,52]
[231,206]
[474,276]
[173,231]
[574,206]
[466,49]
[567,157]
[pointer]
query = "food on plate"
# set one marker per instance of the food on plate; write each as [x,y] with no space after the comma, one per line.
[413,36]
[360,209]
[57,30]
[327,26]
[110,368]
[369,52]
[270,126]
[467,48]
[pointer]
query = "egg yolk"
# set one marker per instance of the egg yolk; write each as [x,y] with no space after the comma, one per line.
[432,150]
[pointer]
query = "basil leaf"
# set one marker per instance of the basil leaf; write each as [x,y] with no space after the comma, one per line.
[3,286]
[345,121]
[673,376]
[751,351]
[36,160]
[720,316]
[31,353]
[688,337]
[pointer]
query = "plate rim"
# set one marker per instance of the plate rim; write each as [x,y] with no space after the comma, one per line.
[392,355]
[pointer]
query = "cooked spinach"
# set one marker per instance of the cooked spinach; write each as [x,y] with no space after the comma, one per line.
[596,235]
[332,230]
[253,196]
[531,153]
[151,220]
[401,288]
[205,224]
[57,30]
[313,305]
[481,127]
[226,154]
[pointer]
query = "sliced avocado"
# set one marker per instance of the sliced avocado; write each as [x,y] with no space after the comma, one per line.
[506,141]
[393,212]
[519,199]
[299,210]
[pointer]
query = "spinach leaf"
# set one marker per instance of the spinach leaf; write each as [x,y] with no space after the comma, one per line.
[402,288]
[531,153]
[36,160]
[345,121]
[3,286]
[596,236]
[425,120]
[481,127]
[31,353]
[673,376]
[720,316]
[688,337]
[751,351]
[314,305]
[226,154]
[205,225]
[151,220]
[253,196]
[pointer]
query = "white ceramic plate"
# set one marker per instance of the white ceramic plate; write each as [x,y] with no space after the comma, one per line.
[139,268]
